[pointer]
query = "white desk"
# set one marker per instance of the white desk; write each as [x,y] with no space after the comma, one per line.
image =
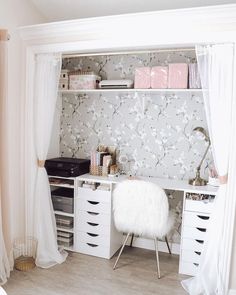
[170,184]
[96,235]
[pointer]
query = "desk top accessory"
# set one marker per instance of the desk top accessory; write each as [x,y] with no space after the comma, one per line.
[197,180]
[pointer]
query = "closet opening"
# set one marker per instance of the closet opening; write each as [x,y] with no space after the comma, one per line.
[150,125]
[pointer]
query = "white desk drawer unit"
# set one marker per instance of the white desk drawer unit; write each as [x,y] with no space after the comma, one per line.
[90,227]
[191,256]
[93,217]
[95,232]
[93,249]
[199,206]
[196,216]
[188,268]
[87,205]
[192,244]
[97,239]
[195,219]
[94,195]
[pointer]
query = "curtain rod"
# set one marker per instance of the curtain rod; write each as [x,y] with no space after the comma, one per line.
[127,52]
[4,35]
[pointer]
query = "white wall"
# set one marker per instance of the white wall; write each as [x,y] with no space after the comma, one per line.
[15,13]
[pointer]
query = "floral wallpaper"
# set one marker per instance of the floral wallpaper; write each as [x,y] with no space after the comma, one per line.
[153,130]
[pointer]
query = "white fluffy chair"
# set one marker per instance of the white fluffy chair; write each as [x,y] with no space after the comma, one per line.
[2,292]
[141,208]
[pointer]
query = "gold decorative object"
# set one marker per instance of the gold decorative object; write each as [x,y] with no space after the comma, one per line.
[197,180]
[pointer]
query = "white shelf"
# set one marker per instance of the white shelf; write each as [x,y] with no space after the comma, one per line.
[63,213]
[62,185]
[67,230]
[132,90]
[71,248]
[60,177]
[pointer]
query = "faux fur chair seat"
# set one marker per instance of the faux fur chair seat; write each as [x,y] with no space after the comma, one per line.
[142,208]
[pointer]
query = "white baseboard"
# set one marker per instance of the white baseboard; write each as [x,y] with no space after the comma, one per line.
[149,244]
[232,292]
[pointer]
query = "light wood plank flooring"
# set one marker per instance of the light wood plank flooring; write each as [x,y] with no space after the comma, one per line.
[87,275]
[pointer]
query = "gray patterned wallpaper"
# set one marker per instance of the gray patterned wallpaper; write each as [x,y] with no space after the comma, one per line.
[153,130]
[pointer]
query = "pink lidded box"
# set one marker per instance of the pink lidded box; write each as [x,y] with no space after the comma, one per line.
[142,78]
[178,75]
[159,77]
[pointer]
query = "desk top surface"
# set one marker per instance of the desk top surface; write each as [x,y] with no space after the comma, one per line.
[165,183]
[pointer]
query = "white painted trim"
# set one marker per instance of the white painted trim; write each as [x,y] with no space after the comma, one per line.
[183,27]
[220,14]
[232,292]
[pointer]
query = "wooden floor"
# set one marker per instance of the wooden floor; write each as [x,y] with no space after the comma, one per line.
[87,275]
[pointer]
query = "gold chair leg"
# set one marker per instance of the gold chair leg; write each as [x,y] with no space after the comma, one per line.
[157,258]
[121,250]
[168,246]
[132,238]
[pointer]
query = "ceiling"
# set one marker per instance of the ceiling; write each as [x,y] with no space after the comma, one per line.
[57,10]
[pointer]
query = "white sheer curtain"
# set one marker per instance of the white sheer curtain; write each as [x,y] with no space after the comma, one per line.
[47,73]
[216,64]
[5,245]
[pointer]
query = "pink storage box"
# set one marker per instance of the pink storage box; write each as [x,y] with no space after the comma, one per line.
[142,77]
[178,76]
[159,77]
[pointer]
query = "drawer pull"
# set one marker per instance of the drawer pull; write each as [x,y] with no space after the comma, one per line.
[92,213]
[198,253]
[200,241]
[93,203]
[201,229]
[92,235]
[92,223]
[92,245]
[203,217]
[196,264]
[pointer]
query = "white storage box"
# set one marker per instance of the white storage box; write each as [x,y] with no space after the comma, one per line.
[83,81]
[64,74]
[65,222]
[194,77]
[63,84]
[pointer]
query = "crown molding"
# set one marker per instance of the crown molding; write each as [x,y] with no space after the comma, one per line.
[194,18]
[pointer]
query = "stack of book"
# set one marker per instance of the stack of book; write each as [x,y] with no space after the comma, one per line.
[101,160]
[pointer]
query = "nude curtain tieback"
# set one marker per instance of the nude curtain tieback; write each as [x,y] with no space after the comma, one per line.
[41,163]
[4,35]
[223,179]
